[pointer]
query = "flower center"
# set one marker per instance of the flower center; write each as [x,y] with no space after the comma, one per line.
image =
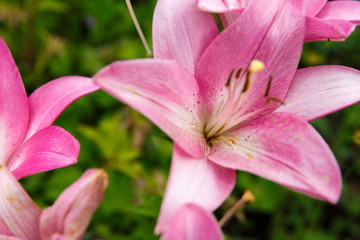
[231,111]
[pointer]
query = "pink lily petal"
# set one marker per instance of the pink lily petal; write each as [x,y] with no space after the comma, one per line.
[219,6]
[181,32]
[229,11]
[332,29]
[72,211]
[344,10]
[318,91]
[285,149]
[229,17]
[312,7]
[48,101]
[14,110]
[162,91]
[19,214]
[4,229]
[191,222]
[194,180]
[233,48]
[5,237]
[48,149]
[57,236]
[280,51]
[275,39]
[216,6]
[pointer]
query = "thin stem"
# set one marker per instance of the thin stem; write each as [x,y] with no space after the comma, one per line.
[138,28]
[246,197]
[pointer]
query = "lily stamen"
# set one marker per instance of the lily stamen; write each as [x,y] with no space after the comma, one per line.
[248,196]
[238,89]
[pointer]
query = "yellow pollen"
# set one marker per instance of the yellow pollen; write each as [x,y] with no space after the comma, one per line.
[256,66]
[250,157]
[10,199]
[325,179]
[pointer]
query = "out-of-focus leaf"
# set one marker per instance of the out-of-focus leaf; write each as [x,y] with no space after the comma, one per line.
[52,6]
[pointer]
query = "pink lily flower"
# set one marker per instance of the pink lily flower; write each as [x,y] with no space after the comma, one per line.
[67,219]
[325,20]
[218,96]
[191,222]
[28,142]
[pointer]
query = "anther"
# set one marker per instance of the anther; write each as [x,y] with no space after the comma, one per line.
[275,100]
[230,77]
[247,81]
[268,86]
[238,72]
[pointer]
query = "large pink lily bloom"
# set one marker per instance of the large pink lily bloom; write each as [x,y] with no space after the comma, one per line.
[28,142]
[67,219]
[325,20]
[192,222]
[219,98]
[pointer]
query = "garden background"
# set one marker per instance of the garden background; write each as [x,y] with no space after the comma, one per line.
[55,38]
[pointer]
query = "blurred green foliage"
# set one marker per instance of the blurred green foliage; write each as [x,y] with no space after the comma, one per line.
[54,38]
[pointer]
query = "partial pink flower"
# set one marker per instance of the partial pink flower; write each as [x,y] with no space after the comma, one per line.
[331,20]
[72,211]
[221,101]
[67,219]
[191,222]
[28,142]
[325,20]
